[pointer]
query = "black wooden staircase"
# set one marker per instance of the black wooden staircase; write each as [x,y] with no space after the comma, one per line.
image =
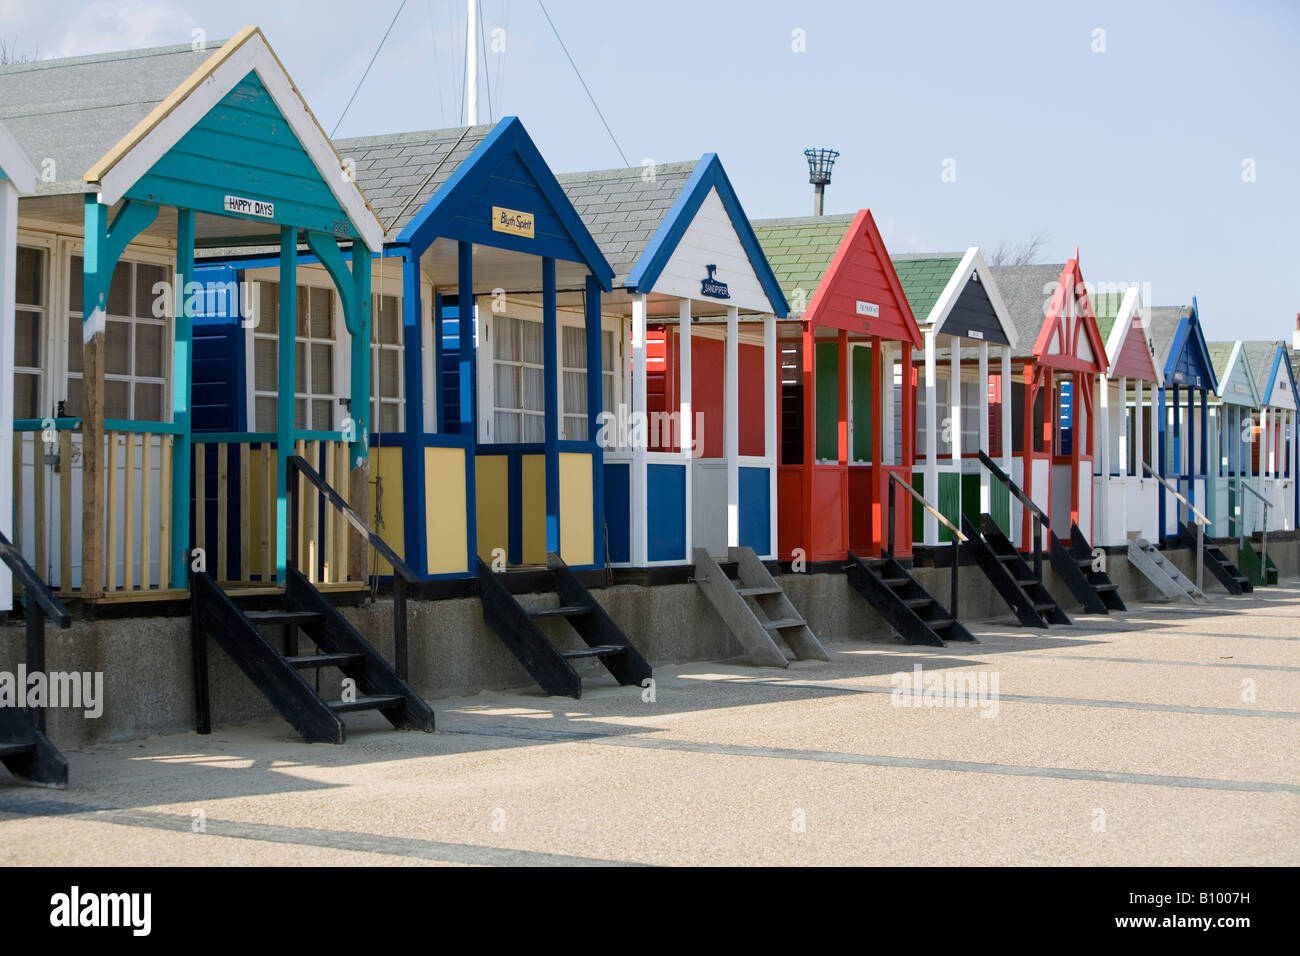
[904,604]
[550,666]
[24,749]
[1229,575]
[370,682]
[1257,566]
[1010,575]
[1074,562]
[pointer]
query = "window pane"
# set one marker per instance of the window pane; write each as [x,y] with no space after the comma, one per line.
[532,383]
[575,427]
[322,314]
[149,402]
[506,346]
[389,380]
[575,393]
[575,347]
[322,414]
[507,424]
[386,320]
[300,368]
[607,358]
[27,395]
[73,405]
[149,350]
[27,340]
[390,419]
[300,413]
[608,395]
[119,292]
[534,428]
[264,359]
[117,349]
[300,315]
[531,339]
[30,289]
[506,378]
[75,281]
[117,400]
[146,278]
[268,306]
[264,413]
[322,369]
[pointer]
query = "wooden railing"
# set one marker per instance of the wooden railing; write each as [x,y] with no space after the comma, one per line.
[34,498]
[138,508]
[234,478]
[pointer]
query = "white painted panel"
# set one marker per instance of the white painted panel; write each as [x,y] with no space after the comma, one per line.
[1060,511]
[1042,475]
[711,239]
[1016,512]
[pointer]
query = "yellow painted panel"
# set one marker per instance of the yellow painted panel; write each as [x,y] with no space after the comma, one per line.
[534,509]
[386,502]
[492,508]
[576,532]
[446,510]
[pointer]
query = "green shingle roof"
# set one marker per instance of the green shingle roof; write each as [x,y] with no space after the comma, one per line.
[801,250]
[1105,308]
[924,278]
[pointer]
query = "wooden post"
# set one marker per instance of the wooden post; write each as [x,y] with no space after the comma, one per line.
[284,417]
[93,325]
[881,497]
[595,405]
[930,534]
[842,428]
[637,496]
[731,427]
[182,370]
[551,404]
[771,389]
[414,519]
[359,449]
[9,463]
[686,415]
[983,423]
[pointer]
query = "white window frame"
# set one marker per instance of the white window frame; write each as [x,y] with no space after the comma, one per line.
[43,406]
[72,311]
[376,348]
[484,334]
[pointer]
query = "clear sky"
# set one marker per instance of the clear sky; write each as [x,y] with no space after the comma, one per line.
[1162,138]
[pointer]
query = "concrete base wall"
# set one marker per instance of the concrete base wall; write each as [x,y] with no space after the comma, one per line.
[148,682]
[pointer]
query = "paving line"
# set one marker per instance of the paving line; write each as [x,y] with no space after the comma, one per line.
[875,760]
[434,850]
[1171,663]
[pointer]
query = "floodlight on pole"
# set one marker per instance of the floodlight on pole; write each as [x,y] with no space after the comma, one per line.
[820,162]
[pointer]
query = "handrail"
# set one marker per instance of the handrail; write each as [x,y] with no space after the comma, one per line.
[39,603]
[299,464]
[402,573]
[1241,482]
[925,503]
[1200,517]
[33,587]
[1014,488]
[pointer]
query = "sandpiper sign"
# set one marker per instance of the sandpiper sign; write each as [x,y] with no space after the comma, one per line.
[712,287]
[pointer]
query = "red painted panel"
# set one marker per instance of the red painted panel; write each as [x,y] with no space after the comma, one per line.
[752,406]
[861,510]
[708,374]
[789,510]
[829,499]
[1134,359]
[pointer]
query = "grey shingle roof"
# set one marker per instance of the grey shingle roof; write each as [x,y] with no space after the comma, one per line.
[400,172]
[1025,290]
[1162,324]
[623,211]
[1220,353]
[1260,356]
[74,110]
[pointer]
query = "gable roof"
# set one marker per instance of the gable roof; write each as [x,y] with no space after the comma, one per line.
[1180,345]
[935,283]
[1229,359]
[400,172]
[506,147]
[860,267]
[1266,359]
[623,209]
[1034,295]
[800,250]
[14,164]
[1121,314]
[74,109]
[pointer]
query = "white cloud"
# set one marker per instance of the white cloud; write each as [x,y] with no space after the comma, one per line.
[107,25]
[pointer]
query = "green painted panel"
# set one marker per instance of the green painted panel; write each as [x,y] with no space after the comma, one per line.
[970,499]
[863,395]
[949,501]
[918,516]
[1000,506]
[828,401]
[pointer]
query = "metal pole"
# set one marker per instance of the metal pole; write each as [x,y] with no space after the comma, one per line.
[291,548]
[1200,555]
[1038,548]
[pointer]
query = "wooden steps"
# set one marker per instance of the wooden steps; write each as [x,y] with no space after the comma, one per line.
[1163,573]
[549,665]
[1229,575]
[1010,575]
[755,609]
[904,604]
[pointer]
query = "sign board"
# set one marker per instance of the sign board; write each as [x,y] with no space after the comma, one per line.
[250,207]
[869,309]
[714,288]
[512,222]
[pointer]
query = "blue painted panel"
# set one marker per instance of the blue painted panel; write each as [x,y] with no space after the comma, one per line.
[755,510]
[217,396]
[618,510]
[450,394]
[1066,411]
[666,512]
[244,147]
